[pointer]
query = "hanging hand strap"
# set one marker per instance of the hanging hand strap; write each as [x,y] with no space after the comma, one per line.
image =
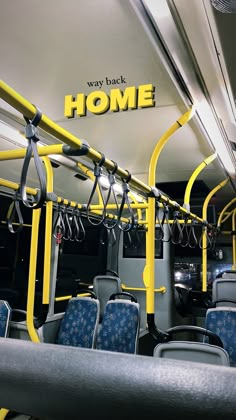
[80,236]
[192,238]
[68,231]
[97,183]
[14,209]
[160,235]
[111,191]
[166,220]
[59,226]
[186,234]
[176,229]
[125,200]
[31,133]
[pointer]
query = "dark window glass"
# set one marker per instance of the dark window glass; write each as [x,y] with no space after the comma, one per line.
[134,245]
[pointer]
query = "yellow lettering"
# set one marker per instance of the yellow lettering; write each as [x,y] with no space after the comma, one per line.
[146,96]
[98,102]
[71,105]
[123,100]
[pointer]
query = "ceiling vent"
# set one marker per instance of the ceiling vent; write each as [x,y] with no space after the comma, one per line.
[55,165]
[81,177]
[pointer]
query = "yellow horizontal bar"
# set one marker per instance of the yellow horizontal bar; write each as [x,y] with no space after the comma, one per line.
[113,206]
[96,212]
[15,186]
[54,149]
[61,298]
[16,224]
[161,289]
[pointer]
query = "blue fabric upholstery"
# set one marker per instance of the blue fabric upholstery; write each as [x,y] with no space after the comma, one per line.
[5,315]
[79,325]
[119,329]
[222,321]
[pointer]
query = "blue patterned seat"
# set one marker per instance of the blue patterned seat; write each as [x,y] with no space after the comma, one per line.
[79,325]
[119,329]
[5,316]
[222,321]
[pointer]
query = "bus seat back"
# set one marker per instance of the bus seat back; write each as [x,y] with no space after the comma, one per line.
[192,352]
[79,325]
[5,316]
[119,329]
[222,321]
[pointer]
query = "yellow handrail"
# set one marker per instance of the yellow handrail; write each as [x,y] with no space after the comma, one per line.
[55,149]
[227,216]
[3,413]
[219,222]
[161,289]
[14,186]
[149,269]
[204,233]
[32,274]
[192,178]
[62,298]
[163,140]
[48,233]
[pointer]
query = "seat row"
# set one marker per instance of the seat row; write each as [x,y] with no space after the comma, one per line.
[220,320]
[117,331]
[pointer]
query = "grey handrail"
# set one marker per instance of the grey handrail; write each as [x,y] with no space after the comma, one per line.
[59,382]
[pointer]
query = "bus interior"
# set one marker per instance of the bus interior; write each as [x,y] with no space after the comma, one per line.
[117,209]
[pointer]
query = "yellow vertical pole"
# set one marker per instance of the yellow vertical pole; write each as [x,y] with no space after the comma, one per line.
[149,269]
[32,274]
[234,239]
[48,233]
[3,413]
[204,233]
